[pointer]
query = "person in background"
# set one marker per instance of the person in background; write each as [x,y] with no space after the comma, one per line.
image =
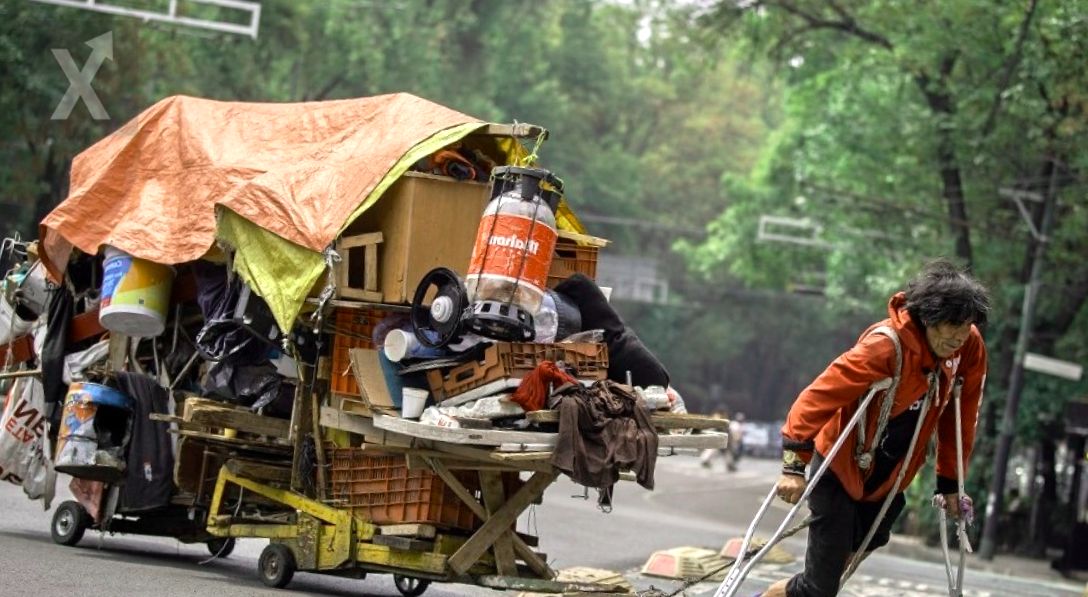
[706,458]
[736,445]
[936,320]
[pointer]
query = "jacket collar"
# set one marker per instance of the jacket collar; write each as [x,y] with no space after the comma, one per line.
[911,334]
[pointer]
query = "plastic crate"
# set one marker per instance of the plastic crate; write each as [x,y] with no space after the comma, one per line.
[352,328]
[514,360]
[380,488]
[571,258]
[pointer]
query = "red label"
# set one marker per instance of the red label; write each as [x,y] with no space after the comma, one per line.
[513,247]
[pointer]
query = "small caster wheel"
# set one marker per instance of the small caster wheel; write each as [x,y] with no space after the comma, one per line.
[410,586]
[277,565]
[221,547]
[69,522]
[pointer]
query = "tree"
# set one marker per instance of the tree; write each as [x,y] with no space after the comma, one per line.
[906,127]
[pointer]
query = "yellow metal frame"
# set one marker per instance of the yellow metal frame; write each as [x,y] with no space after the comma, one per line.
[323,537]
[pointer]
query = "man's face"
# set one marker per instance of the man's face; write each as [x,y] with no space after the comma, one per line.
[946,338]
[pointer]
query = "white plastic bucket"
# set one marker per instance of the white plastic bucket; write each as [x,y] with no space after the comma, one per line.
[135,295]
[412,402]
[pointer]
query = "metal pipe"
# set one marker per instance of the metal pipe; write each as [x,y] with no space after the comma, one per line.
[18,374]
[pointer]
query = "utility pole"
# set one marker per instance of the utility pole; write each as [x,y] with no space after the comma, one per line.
[995,499]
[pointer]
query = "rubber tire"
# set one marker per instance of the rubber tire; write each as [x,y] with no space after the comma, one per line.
[277,565]
[69,523]
[410,586]
[221,547]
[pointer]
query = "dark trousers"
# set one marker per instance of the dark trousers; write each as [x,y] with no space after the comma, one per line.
[839,525]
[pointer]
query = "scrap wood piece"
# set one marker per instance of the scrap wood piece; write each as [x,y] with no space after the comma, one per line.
[499,524]
[584,574]
[403,543]
[535,562]
[246,444]
[494,495]
[259,471]
[419,530]
[364,426]
[661,420]
[483,437]
[210,413]
[547,586]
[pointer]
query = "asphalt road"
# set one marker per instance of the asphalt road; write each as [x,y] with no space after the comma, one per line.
[691,506]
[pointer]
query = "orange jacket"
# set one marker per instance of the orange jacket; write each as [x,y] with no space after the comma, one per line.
[826,405]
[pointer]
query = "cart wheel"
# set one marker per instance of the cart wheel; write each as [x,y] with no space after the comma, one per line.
[221,547]
[410,586]
[277,565]
[69,522]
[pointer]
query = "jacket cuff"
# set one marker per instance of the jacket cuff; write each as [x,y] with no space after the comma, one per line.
[946,485]
[798,446]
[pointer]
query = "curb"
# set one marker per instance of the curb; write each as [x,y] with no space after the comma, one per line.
[1019,567]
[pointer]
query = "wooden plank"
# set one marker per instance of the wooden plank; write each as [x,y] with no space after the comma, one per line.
[593,241]
[500,523]
[231,441]
[363,295]
[667,420]
[482,437]
[370,269]
[516,457]
[535,562]
[494,497]
[259,471]
[524,447]
[335,419]
[518,129]
[359,240]
[701,440]
[403,543]
[546,586]
[663,420]
[424,531]
[223,416]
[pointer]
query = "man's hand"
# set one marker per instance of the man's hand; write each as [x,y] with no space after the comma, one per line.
[790,488]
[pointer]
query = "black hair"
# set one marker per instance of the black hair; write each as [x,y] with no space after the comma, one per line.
[944,293]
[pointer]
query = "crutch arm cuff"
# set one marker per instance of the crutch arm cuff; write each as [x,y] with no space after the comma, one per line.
[946,485]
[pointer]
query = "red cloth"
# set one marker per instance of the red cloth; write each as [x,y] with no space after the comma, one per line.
[532,394]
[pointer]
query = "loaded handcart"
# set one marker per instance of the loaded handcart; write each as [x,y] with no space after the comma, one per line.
[375,345]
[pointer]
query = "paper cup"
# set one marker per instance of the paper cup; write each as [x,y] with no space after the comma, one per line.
[412,402]
[399,344]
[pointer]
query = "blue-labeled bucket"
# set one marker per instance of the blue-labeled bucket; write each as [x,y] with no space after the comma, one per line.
[135,294]
[89,448]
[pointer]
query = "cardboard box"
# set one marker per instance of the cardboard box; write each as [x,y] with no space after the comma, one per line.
[505,363]
[426,222]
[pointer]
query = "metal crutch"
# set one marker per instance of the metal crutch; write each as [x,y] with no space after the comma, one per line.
[740,568]
[860,554]
[955,582]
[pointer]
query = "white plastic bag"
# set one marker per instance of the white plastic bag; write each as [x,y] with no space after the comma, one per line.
[22,441]
[11,325]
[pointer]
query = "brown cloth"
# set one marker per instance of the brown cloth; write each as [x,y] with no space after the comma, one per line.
[603,430]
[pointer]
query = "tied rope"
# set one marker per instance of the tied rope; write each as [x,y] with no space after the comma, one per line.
[332,260]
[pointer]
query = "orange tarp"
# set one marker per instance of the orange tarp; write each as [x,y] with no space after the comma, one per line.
[298,170]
